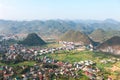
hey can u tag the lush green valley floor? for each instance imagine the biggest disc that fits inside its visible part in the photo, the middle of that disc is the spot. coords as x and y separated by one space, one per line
76 56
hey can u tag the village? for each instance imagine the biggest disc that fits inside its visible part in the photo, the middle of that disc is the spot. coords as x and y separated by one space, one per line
47 68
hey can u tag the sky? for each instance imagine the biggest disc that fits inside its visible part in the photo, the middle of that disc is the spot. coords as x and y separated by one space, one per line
59 9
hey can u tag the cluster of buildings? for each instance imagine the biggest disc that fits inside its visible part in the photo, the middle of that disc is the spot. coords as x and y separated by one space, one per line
6 72
8 36
44 69
49 69
111 60
111 49
18 53
89 69
76 45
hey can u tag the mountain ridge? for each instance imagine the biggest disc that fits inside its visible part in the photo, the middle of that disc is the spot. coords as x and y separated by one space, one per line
56 27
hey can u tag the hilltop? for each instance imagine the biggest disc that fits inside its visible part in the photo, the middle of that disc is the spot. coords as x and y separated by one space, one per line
75 36
112 45
101 35
98 35
32 40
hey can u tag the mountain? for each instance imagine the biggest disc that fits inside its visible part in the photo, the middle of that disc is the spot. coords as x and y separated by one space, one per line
111 21
101 35
46 28
56 27
112 45
98 35
32 40
75 36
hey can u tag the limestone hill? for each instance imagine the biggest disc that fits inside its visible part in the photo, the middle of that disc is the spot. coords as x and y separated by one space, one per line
101 35
112 45
32 40
75 36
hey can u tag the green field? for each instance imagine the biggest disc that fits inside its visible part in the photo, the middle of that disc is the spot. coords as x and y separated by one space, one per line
72 56
76 56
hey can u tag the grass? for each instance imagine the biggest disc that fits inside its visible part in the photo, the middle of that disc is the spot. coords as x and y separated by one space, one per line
2 64
76 56
117 64
48 45
28 63
72 56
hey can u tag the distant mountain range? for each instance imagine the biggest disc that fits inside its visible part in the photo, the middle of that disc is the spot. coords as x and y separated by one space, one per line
57 27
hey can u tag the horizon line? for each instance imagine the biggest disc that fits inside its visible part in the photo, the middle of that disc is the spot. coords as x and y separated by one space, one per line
59 19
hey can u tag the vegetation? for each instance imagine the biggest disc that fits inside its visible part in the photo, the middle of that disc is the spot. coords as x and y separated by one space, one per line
114 41
98 35
76 56
75 36
56 27
29 63
111 46
101 35
32 40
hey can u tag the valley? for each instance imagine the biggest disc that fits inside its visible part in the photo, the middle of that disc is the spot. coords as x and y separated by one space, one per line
66 54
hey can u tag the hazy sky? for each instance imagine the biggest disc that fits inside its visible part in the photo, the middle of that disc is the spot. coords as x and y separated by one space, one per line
59 9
